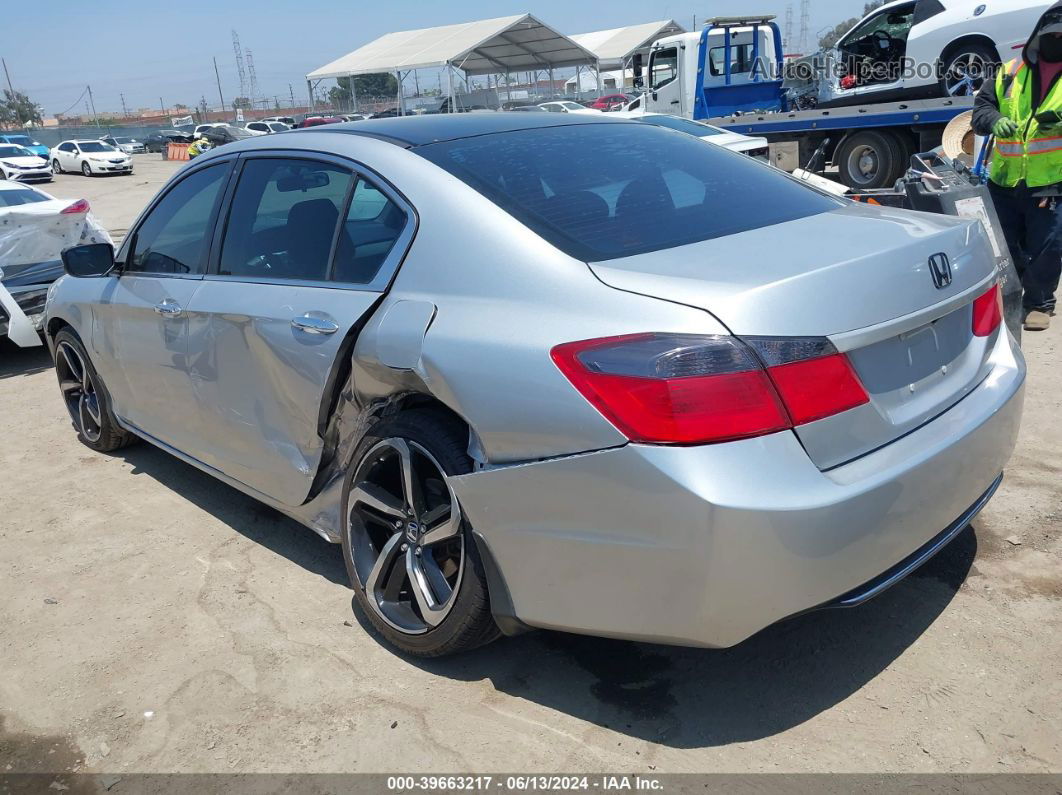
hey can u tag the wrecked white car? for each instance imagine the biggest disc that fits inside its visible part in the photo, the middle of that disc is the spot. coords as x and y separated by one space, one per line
916 49
35 227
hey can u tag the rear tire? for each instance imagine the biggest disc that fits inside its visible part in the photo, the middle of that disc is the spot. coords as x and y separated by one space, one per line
56 168
86 397
870 159
409 551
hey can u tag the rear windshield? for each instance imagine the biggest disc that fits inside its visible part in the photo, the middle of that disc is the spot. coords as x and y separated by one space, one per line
13 198
602 191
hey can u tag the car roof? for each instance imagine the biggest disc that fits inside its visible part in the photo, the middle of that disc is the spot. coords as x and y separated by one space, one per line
14 185
412 131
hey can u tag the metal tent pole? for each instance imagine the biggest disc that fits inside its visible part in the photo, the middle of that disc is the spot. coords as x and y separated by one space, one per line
597 70
450 86
551 81
398 77
309 91
353 94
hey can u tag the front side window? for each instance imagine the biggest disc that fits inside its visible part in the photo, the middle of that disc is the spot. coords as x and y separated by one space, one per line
885 25
672 190
663 67
173 239
283 219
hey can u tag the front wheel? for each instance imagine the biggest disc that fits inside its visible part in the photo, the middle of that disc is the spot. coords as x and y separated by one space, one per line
86 169
86 397
407 546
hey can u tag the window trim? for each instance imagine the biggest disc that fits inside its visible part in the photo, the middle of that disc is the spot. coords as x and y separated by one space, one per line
384 276
129 243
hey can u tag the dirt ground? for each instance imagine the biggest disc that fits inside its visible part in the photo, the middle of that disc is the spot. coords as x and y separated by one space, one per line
153 619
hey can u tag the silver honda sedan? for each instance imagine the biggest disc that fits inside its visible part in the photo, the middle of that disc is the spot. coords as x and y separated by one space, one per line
572 372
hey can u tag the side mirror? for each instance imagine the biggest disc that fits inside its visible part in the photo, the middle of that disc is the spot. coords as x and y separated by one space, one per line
91 259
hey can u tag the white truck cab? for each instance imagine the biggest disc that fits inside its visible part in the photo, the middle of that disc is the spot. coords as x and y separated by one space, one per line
674 78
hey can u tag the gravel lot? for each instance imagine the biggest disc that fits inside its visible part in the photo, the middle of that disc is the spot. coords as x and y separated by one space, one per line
153 619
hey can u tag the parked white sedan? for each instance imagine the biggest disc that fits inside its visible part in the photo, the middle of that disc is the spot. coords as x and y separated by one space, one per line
566 106
131 146
265 127
746 144
90 157
21 165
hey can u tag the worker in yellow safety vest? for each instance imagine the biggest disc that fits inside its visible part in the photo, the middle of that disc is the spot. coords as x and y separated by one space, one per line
197 147
1022 108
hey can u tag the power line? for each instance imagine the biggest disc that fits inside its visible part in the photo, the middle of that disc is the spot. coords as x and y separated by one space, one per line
74 104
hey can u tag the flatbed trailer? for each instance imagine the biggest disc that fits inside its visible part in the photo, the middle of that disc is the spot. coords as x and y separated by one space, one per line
731 74
871 145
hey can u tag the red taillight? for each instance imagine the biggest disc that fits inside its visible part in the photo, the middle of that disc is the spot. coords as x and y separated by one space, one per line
686 389
987 312
80 206
817 388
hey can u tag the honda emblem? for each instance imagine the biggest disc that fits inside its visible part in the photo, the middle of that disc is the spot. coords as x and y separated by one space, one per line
940 270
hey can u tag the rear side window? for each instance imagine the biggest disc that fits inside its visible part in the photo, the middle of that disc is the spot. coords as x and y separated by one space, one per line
602 191
283 219
13 198
740 59
371 228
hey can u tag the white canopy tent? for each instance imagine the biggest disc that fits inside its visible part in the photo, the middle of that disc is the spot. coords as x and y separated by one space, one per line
488 46
614 48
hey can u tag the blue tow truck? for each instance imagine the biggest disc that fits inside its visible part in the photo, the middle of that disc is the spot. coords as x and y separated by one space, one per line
732 74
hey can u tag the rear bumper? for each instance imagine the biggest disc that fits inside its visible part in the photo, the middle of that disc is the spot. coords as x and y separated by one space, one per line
707 545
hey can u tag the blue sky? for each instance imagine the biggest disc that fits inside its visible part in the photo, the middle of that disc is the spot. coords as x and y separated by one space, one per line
151 50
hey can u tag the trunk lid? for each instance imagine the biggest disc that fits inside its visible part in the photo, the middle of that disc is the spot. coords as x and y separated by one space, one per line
860 276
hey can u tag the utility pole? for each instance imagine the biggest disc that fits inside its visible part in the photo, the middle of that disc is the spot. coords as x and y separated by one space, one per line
92 102
291 91
218 78
125 110
8 76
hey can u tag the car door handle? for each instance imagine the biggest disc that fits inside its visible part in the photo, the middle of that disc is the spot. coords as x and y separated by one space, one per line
314 325
168 308
674 102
